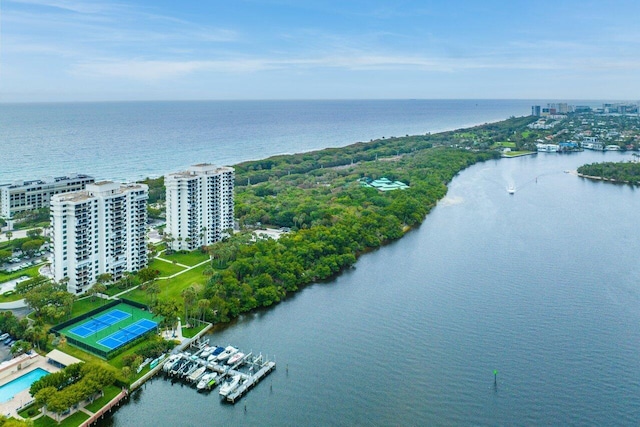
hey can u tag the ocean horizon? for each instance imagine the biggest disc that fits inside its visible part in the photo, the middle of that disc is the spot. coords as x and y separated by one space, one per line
131 140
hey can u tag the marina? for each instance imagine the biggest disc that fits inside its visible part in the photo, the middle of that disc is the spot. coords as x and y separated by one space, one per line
209 366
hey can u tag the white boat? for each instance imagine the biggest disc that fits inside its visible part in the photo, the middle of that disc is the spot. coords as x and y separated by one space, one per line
228 352
207 381
206 352
170 362
197 374
235 358
511 189
227 387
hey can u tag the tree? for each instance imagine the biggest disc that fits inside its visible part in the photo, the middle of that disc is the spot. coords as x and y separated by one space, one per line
203 306
190 296
97 288
9 235
30 247
169 310
20 347
5 256
153 289
34 233
146 274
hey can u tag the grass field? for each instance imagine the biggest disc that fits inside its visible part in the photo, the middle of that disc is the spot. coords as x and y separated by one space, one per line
83 305
166 269
31 272
186 258
110 392
72 421
106 324
172 288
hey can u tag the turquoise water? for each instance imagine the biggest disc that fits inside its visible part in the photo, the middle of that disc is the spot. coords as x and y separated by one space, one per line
10 389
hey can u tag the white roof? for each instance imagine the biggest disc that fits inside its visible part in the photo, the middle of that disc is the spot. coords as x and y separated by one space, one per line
62 358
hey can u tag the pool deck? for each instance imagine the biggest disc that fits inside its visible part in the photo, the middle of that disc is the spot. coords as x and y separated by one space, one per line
21 398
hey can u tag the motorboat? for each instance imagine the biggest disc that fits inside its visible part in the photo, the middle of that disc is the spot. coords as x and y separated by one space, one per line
217 351
228 386
170 362
235 358
207 381
228 352
197 374
177 366
511 189
206 352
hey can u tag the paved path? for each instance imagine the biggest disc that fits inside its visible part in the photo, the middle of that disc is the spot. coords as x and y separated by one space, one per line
13 305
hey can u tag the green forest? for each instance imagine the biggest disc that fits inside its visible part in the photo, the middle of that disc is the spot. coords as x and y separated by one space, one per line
332 217
628 172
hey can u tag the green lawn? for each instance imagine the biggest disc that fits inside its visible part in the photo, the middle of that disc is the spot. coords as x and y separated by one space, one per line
165 268
84 305
192 332
112 290
186 258
516 153
31 272
171 288
110 392
72 421
506 144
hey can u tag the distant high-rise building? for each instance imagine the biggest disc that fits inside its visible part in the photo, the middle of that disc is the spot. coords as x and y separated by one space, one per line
22 196
101 229
199 205
535 110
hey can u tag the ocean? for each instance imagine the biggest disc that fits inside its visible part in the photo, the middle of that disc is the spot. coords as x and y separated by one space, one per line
127 141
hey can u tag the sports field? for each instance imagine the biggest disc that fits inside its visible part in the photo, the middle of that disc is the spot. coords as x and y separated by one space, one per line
106 331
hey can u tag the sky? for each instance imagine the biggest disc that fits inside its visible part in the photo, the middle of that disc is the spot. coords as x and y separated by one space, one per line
107 50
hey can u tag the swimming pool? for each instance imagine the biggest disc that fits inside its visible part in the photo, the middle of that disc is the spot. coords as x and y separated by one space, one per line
10 389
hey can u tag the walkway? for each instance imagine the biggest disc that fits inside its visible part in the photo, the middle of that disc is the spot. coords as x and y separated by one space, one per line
187 268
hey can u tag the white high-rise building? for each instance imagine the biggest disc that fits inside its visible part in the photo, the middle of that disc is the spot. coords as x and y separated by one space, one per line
22 196
101 229
199 205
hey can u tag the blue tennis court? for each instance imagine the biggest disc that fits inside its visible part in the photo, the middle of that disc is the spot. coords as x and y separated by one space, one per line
128 333
99 323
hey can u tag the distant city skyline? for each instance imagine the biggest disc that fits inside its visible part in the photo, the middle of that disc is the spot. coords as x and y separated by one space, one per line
106 50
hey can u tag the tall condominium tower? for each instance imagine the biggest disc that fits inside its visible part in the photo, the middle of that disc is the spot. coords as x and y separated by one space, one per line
101 229
199 205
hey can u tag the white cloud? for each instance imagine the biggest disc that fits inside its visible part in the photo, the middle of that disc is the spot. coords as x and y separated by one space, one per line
88 7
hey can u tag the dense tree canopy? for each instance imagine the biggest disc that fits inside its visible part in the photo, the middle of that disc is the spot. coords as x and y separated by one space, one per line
616 171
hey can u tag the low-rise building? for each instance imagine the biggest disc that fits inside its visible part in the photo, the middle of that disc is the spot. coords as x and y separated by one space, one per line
22 196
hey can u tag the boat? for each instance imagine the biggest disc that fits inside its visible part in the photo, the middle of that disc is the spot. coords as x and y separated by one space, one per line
235 358
511 189
206 352
228 386
207 381
217 351
170 362
228 352
176 367
197 374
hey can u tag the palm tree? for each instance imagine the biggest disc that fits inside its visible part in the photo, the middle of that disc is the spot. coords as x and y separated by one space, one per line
203 305
153 289
189 295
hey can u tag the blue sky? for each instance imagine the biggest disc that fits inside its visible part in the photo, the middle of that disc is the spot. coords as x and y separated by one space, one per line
66 50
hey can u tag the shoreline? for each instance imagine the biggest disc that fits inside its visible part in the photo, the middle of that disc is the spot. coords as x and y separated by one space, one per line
601 178
129 179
